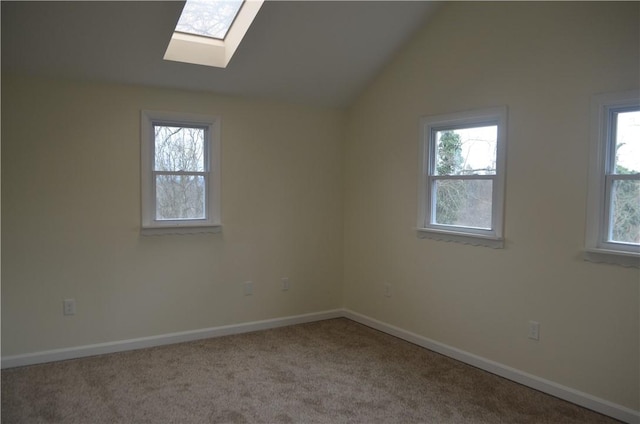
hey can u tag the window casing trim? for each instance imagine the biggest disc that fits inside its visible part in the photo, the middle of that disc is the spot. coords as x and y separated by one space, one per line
212 220
429 125
598 248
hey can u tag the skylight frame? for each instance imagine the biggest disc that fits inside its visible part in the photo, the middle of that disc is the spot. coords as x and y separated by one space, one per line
202 50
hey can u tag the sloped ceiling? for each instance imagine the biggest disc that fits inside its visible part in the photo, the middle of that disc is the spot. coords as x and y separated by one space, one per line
312 52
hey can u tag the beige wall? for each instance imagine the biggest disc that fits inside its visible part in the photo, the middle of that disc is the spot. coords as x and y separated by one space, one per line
544 61
71 217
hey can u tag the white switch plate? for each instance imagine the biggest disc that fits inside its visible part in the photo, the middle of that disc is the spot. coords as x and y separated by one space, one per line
534 330
248 288
285 283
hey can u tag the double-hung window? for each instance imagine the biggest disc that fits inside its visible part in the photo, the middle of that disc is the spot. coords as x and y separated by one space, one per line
613 209
180 178
462 177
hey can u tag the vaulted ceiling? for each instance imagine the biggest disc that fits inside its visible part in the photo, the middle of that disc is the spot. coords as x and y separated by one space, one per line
312 52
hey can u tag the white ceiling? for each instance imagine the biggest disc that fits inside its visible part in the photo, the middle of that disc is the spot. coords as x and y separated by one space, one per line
312 52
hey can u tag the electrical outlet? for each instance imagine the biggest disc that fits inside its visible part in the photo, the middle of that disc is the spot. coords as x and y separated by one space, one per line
285 283
534 330
387 290
69 307
248 288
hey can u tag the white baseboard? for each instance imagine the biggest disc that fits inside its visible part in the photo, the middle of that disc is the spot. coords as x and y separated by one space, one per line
580 398
586 400
164 339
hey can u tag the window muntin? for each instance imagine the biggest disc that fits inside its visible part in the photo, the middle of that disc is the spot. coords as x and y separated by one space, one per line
208 18
180 171
462 175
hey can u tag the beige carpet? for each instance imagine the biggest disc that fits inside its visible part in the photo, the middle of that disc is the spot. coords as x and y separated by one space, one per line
334 371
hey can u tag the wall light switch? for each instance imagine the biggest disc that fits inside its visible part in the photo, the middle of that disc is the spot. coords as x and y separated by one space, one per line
534 330
285 284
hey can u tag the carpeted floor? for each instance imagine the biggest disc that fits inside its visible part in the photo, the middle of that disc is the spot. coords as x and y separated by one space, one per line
334 371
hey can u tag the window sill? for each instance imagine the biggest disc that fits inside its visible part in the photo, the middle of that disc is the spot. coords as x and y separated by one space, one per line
464 238
181 230
627 259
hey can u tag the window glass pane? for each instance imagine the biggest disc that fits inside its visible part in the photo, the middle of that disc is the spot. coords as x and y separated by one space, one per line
209 18
625 211
467 151
628 142
463 203
180 197
179 148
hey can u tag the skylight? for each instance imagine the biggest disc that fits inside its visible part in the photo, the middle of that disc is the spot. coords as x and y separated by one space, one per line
209 31
208 18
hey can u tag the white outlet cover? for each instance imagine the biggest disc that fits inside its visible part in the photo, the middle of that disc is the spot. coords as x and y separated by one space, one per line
69 307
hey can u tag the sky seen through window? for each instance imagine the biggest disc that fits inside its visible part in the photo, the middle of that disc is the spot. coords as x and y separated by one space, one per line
208 18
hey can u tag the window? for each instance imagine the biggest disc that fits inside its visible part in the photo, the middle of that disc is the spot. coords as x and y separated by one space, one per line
210 31
209 18
462 178
180 173
613 209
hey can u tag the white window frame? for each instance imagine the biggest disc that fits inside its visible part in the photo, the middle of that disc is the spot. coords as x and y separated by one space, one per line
429 125
601 177
212 220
